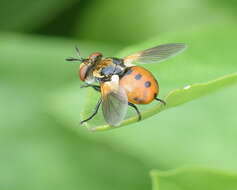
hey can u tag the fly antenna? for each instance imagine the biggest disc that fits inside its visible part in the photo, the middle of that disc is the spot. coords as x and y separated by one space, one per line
78 51
73 59
78 54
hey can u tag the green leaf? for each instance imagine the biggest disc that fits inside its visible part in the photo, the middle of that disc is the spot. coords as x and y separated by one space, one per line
194 179
178 97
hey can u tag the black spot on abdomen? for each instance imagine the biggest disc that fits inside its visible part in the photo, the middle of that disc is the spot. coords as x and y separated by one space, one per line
147 84
138 76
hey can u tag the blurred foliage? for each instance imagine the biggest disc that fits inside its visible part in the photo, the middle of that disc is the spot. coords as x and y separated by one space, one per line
126 22
30 15
194 178
40 96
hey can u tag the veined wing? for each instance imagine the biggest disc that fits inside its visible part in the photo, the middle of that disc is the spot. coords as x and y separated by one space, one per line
114 102
155 54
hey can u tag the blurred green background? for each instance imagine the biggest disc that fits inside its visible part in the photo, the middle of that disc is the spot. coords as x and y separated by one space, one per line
42 145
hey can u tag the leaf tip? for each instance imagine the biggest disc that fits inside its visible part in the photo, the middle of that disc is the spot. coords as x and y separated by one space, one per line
187 87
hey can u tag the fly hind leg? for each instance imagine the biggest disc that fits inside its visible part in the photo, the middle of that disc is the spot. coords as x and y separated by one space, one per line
94 113
162 101
137 110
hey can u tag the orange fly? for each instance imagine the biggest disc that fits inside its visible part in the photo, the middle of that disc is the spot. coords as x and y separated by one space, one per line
120 82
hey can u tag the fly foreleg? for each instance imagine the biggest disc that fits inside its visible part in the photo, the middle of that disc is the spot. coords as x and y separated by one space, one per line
96 87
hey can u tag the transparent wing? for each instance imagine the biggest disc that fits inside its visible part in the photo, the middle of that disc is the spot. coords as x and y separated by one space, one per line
155 54
114 103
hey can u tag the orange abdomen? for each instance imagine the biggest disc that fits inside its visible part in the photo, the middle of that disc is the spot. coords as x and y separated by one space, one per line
140 85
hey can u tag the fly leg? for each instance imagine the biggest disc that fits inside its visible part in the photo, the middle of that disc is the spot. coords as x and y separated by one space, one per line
162 101
94 113
96 87
137 110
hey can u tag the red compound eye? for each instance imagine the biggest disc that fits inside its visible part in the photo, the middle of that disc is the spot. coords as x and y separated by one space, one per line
83 71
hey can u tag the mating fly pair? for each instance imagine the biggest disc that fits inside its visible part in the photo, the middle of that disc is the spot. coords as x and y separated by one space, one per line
120 82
